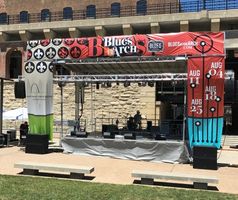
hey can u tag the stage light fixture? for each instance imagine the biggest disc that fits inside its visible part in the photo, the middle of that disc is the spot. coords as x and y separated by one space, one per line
151 83
85 84
126 84
109 84
103 85
143 84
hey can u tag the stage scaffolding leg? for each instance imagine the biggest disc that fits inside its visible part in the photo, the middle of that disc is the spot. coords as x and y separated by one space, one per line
79 100
184 110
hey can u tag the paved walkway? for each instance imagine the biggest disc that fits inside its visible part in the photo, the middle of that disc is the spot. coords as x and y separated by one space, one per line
109 170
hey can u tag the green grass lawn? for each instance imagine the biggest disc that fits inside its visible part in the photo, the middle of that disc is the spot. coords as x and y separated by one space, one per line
22 187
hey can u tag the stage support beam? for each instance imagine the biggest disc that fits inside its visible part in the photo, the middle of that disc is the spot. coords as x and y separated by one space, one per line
127 29
155 27
184 26
74 32
49 33
3 37
25 35
100 31
215 25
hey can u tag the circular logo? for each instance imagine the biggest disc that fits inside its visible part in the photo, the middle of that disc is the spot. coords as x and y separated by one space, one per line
68 41
33 43
63 52
75 52
51 66
50 53
45 42
29 67
192 85
212 109
56 41
218 99
38 54
204 43
197 123
208 76
41 67
83 42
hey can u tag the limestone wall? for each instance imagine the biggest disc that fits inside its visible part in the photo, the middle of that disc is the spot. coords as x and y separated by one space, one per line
117 102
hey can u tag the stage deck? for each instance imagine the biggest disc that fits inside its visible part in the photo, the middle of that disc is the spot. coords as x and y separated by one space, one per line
139 149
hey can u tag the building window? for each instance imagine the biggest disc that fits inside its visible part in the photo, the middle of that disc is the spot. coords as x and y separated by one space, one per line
3 18
68 13
141 7
115 9
24 17
91 11
45 15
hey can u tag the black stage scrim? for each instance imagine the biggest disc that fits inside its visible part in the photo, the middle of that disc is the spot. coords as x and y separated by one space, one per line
145 150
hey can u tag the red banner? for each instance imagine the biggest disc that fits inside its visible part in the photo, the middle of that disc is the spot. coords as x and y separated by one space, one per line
172 44
206 87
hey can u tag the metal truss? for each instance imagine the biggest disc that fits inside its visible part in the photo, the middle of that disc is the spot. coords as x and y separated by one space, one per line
127 77
121 78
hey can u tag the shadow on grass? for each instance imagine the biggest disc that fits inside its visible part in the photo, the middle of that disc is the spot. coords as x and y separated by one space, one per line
54 175
178 185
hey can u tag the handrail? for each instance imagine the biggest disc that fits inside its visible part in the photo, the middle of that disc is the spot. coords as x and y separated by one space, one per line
182 6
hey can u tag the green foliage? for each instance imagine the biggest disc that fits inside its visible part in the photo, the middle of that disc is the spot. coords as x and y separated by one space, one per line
22 187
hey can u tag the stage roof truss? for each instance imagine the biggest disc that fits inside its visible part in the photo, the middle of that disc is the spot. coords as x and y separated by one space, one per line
126 77
124 65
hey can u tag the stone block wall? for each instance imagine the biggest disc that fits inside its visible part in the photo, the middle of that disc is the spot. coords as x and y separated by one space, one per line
117 102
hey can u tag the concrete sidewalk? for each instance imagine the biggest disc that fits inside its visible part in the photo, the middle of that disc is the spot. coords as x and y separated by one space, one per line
109 170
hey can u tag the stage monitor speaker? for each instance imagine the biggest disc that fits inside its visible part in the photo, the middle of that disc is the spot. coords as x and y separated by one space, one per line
37 144
205 157
109 135
131 136
19 90
81 134
149 125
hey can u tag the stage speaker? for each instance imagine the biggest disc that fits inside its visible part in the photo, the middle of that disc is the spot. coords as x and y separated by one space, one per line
109 135
149 125
19 90
81 134
129 135
205 157
37 144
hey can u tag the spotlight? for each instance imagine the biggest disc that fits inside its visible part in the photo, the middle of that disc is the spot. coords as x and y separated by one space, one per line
85 84
104 85
109 84
126 84
151 84
143 84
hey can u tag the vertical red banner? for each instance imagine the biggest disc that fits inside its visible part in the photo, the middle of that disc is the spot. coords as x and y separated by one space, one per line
205 95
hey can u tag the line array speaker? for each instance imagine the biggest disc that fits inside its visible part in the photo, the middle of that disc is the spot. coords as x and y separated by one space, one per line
19 90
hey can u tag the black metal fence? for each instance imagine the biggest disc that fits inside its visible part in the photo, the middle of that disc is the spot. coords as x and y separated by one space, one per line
181 6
